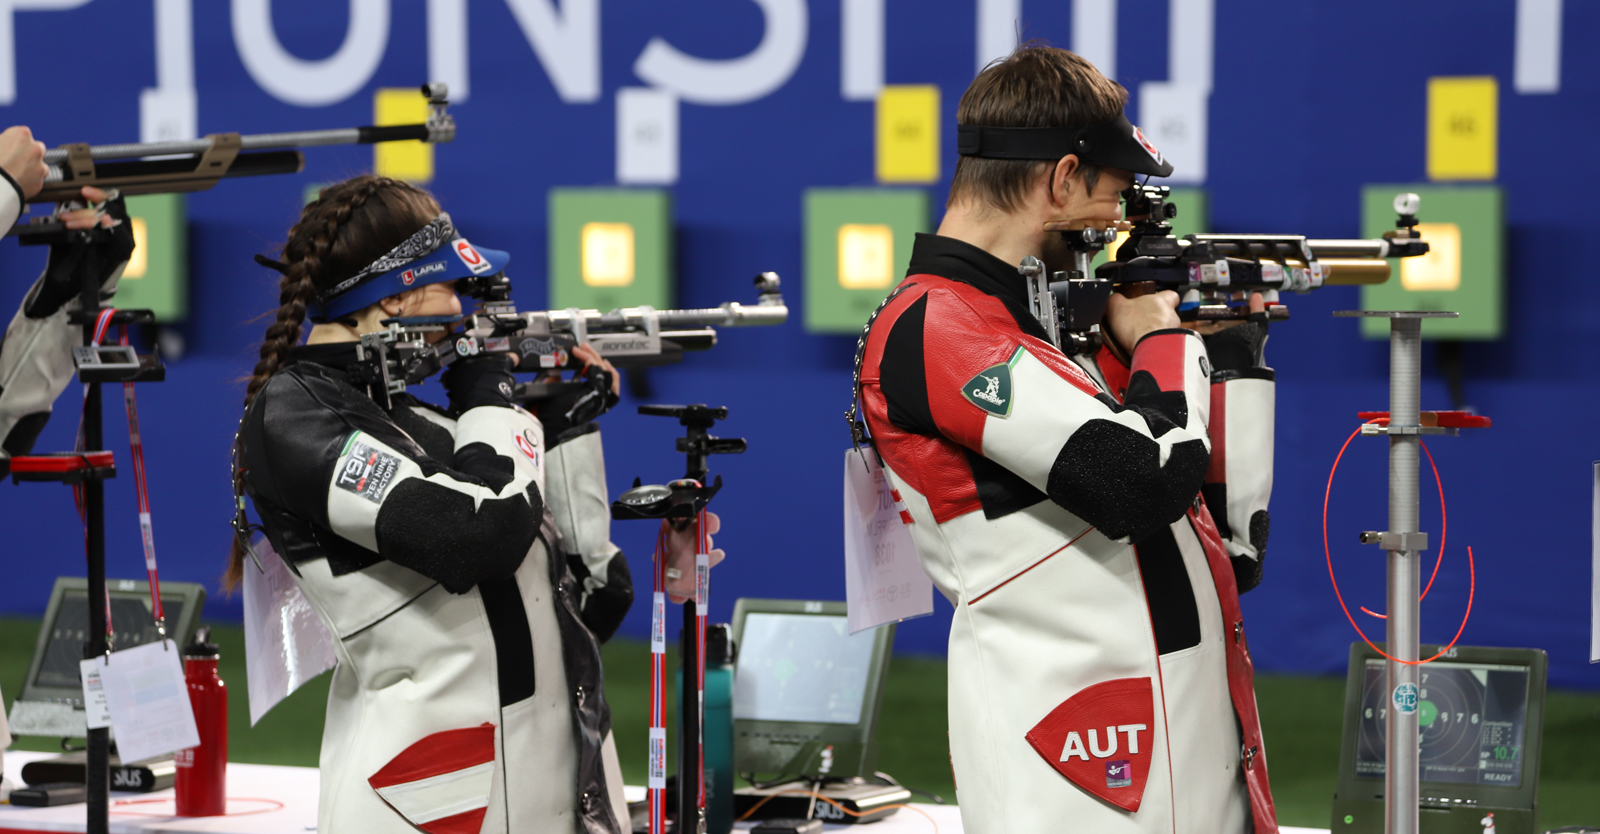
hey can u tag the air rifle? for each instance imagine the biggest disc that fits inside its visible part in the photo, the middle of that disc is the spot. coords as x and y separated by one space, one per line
1213 274
198 164
401 355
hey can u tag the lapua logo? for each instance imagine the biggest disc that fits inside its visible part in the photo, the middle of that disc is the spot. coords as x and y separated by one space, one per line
1101 739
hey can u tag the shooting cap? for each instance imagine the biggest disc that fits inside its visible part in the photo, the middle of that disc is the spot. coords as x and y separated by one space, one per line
435 254
1116 143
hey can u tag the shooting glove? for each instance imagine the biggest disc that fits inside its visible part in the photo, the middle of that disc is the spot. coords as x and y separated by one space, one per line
1240 347
577 404
99 252
473 381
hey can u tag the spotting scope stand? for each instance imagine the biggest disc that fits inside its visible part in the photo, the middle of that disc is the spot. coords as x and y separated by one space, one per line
88 470
679 503
1405 545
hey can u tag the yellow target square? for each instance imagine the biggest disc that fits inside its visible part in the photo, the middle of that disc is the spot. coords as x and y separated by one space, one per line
1463 128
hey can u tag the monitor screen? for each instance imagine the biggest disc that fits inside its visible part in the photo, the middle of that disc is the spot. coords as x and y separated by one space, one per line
801 667
131 625
1472 717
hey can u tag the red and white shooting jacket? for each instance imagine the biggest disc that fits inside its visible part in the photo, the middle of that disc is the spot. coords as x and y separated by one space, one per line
1099 675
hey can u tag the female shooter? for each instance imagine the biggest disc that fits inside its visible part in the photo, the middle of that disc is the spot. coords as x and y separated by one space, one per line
460 557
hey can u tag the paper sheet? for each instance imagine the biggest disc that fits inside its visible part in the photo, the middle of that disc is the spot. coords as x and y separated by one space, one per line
285 644
149 700
1594 605
884 580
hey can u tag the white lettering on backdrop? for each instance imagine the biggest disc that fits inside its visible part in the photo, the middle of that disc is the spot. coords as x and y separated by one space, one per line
738 80
8 40
447 46
860 49
567 43
169 111
294 80
997 29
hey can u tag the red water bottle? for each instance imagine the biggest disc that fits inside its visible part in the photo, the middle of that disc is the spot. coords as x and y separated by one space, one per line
202 780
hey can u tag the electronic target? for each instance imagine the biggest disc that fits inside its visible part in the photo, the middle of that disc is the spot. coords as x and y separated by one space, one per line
1471 717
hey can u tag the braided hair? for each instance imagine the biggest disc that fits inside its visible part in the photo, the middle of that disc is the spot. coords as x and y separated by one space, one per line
349 225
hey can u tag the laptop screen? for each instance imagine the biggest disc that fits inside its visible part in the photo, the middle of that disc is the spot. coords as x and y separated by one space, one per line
1472 717
131 625
801 667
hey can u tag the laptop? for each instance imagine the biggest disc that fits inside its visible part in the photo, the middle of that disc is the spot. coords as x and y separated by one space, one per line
51 700
806 692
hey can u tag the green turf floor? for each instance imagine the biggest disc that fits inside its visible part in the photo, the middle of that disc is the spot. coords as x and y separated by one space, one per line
1300 719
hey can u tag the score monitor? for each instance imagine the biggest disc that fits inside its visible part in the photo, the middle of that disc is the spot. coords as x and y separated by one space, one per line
1480 713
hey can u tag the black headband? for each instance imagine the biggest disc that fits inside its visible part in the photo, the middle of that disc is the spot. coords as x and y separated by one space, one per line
1116 143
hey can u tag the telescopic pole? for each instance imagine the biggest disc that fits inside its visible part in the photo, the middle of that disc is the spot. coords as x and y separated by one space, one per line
1405 545
1405 577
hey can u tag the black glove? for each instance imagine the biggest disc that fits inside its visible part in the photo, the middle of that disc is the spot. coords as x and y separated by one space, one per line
473 381
95 252
1240 347
587 397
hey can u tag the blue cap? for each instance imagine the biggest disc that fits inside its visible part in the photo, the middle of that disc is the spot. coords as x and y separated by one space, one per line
433 255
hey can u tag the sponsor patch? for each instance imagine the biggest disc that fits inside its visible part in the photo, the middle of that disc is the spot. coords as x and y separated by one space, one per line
408 277
469 256
366 471
526 445
1405 698
1101 739
1148 148
991 390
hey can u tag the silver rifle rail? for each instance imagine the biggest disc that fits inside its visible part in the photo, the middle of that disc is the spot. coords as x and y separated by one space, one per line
438 128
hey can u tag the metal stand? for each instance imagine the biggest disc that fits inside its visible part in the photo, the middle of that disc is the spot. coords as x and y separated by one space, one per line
91 478
1405 544
97 776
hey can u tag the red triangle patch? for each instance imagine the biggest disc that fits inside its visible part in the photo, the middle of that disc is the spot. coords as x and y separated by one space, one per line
1100 739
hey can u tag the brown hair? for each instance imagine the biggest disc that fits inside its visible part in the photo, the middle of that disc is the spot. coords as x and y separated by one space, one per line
349 225
1035 86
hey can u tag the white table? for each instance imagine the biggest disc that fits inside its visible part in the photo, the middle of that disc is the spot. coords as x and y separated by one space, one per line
267 799
262 799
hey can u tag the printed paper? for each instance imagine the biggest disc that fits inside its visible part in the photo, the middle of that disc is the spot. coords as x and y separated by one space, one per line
94 695
884 580
148 700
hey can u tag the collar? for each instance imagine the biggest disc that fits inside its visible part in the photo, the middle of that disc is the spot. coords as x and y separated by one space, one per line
336 355
960 261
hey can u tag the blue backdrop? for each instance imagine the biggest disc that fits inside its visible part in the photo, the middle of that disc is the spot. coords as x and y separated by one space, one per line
1310 101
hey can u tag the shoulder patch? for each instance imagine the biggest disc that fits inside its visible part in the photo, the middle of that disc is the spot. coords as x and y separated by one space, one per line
365 471
991 389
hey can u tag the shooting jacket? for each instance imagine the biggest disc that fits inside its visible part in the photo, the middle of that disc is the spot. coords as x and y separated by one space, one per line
468 694
35 354
1098 668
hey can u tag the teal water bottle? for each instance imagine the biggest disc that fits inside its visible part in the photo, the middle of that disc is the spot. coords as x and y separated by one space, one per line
717 731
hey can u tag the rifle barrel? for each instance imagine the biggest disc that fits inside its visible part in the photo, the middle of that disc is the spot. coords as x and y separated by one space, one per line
366 135
731 314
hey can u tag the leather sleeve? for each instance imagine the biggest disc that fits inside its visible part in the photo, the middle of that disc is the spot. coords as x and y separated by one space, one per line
959 366
1239 481
575 479
35 367
322 452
